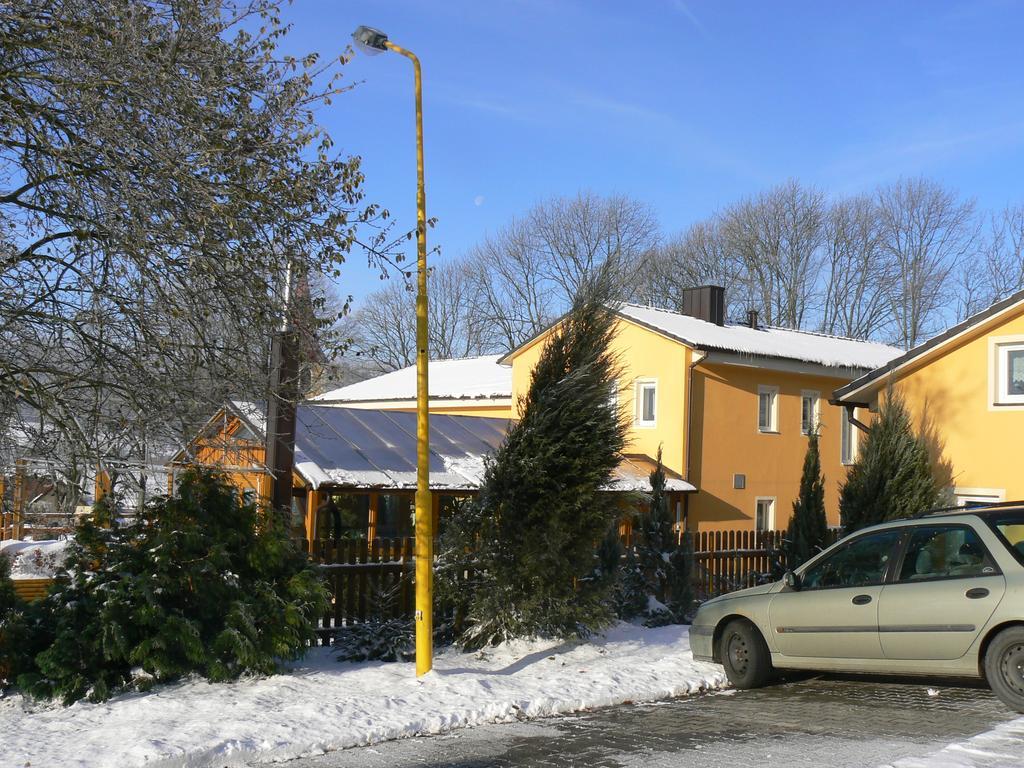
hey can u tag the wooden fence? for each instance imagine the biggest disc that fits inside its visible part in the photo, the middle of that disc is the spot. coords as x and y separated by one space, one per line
367 579
725 561
371 580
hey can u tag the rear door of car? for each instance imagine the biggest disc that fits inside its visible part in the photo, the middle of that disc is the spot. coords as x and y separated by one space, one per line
946 587
835 613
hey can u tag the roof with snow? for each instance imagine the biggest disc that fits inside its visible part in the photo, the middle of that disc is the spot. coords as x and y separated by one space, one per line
372 448
860 389
831 351
470 378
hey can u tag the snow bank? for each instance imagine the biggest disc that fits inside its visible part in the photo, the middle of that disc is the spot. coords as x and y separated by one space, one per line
325 705
1002 747
34 559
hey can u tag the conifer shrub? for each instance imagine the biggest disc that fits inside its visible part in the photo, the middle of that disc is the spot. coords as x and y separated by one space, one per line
893 476
384 636
808 528
654 584
529 540
18 638
200 583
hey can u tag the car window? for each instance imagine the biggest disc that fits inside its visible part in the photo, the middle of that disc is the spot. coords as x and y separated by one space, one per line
859 563
1009 527
945 552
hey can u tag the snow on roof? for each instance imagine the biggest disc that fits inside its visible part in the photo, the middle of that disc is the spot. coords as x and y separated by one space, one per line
831 351
461 379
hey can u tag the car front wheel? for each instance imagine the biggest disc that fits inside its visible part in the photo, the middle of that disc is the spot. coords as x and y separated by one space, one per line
744 655
1004 667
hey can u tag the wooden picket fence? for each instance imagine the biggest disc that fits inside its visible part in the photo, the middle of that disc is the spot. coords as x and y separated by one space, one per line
374 580
725 561
368 580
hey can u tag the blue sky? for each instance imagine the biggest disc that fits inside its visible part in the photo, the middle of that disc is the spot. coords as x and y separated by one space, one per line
687 106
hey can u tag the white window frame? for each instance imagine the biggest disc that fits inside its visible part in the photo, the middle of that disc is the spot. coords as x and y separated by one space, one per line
815 413
847 427
999 349
770 521
643 385
979 495
772 428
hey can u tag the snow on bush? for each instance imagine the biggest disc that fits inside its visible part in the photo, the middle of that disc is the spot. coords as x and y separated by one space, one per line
35 559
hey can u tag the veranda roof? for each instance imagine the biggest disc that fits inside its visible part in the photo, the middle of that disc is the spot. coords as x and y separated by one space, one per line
376 449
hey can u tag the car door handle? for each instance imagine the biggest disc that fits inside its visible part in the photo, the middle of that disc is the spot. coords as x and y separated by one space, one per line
862 599
977 592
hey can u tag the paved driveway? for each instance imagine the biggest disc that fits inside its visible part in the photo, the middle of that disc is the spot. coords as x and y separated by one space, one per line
819 721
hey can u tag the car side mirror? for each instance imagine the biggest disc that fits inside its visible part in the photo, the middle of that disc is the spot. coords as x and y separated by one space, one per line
792 581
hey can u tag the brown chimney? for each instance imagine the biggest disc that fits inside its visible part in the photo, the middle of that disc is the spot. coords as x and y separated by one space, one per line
705 303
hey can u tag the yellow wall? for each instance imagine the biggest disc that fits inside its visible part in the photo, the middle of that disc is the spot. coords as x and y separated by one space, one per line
644 354
949 392
726 441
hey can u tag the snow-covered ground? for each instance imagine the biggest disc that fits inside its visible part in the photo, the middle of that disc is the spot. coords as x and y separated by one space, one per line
325 705
1002 747
34 559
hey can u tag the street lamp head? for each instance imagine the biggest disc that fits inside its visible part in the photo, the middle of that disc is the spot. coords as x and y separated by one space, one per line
369 40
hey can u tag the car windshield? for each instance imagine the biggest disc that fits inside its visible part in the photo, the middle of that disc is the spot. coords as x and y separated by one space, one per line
1009 526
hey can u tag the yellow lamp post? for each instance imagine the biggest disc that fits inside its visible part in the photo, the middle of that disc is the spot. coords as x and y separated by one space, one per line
372 42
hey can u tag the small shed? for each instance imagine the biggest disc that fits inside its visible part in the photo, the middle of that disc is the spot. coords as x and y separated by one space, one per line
355 468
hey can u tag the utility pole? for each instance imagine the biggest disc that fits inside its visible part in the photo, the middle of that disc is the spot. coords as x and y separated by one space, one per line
284 394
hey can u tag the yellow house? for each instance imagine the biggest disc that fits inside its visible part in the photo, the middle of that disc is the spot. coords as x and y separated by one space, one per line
730 405
472 386
965 388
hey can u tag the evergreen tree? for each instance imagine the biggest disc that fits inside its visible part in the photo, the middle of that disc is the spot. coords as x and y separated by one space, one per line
892 478
531 535
808 527
649 578
680 580
18 641
199 583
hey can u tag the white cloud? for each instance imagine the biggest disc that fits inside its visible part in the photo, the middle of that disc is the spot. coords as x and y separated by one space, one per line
478 200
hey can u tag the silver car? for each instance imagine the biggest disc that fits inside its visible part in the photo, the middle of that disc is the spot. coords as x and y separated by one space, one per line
941 594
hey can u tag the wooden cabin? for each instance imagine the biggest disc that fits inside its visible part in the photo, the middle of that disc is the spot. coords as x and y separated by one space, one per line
355 468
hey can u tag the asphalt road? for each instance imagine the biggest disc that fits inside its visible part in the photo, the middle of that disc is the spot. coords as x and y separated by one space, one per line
816 721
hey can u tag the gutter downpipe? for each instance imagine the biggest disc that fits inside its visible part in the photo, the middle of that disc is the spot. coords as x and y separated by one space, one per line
689 425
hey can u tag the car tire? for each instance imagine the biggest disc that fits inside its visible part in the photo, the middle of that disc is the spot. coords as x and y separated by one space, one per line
1004 667
745 655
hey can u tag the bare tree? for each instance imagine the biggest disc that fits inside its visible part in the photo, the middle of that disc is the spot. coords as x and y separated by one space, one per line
571 238
856 271
457 327
696 257
925 232
512 294
160 169
997 271
774 240
527 273
383 331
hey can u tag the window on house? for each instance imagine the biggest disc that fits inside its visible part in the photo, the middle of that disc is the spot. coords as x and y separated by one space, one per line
1010 373
646 403
808 412
764 514
768 409
848 436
